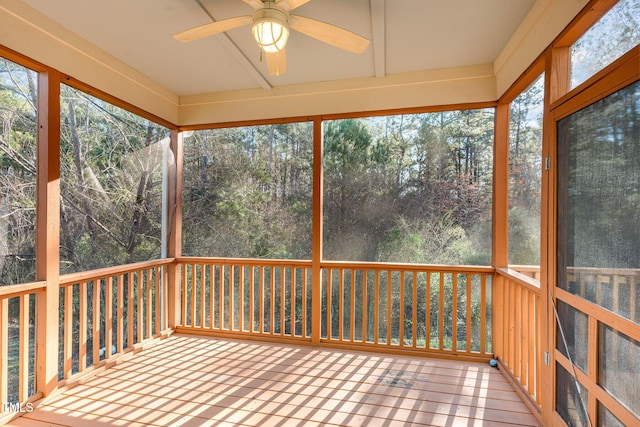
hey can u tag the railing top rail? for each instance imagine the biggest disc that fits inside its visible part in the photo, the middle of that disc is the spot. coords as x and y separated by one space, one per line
606 271
524 267
523 280
10 291
68 279
384 266
358 265
244 261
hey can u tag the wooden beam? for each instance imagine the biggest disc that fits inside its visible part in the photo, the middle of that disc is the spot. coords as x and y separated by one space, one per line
378 42
316 234
555 85
499 245
558 73
175 233
588 16
48 230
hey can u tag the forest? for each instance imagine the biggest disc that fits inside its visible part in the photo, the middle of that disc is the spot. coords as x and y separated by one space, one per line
405 188
409 188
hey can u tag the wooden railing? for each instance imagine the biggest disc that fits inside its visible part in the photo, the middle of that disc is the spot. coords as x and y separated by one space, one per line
532 271
399 307
108 312
17 342
598 313
246 297
103 314
615 289
444 311
414 308
518 342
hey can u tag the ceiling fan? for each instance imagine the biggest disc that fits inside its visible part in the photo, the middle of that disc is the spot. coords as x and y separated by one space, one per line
271 22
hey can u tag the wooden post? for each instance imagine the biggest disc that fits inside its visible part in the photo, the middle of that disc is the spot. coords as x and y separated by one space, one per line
48 230
500 224
557 83
175 234
316 236
499 244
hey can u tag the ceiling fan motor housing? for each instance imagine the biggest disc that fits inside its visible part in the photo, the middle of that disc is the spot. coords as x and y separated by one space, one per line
271 28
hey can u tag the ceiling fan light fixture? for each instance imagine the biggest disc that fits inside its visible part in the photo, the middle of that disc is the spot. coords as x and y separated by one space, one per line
271 29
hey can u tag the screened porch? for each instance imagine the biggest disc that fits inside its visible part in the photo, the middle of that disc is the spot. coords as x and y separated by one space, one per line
455 246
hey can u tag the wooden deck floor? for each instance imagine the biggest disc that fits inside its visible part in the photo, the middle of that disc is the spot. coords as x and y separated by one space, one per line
194 381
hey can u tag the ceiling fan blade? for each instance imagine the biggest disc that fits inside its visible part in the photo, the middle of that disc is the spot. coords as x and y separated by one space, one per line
256 4
328 33
291 4
213 28
277 62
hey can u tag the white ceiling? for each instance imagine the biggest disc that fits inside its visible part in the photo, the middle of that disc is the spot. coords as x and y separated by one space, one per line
407 36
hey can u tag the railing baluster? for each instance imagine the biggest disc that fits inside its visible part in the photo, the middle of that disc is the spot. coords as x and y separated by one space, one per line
441 313
365 305
212 286
483 314
535 369
511 314
120 314
96 321
454 312
389 306
184 295
427 315
401 309
615 293
283 287
352 307
518 332
524 336
292 305
469 315
140 310
130 310
305 278
231 296
194 288
149 300
4 348
341 304
108 316
531 343
158 301
221 296
68 329
414 310
376 311
261 300
272 302
329 273
82 337
203 278
241 298
633 282
252 297
23 350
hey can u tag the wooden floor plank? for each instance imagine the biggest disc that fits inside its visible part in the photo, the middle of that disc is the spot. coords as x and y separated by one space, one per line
188 380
